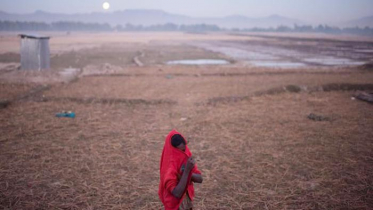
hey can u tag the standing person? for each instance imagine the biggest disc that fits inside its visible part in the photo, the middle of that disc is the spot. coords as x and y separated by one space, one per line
178 171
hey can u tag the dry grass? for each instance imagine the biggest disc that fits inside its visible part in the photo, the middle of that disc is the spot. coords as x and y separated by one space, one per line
97 160
194 86
10 91
258 152
269 155
61 42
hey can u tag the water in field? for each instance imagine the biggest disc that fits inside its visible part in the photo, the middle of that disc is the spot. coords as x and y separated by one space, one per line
198 62
364 50
287 57
277 64
332 61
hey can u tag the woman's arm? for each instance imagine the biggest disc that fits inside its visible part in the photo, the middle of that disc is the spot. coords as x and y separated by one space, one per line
179 190
197 178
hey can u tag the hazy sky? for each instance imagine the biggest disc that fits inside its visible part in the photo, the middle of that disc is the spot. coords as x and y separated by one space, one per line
313 11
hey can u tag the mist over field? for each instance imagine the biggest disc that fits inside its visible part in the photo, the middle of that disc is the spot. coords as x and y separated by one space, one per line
224 13
154 17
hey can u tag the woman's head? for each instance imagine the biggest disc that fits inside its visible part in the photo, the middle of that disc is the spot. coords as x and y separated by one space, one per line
178 142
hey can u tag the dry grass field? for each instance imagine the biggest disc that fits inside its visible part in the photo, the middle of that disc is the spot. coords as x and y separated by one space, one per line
247 127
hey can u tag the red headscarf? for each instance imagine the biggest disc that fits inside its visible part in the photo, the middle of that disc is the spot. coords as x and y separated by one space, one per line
170 167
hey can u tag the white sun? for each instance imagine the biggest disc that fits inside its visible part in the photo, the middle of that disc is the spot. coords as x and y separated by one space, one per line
106 5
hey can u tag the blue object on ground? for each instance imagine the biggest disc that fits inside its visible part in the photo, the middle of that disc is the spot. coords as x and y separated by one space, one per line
66 114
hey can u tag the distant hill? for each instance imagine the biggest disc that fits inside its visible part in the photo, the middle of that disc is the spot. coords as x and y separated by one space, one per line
152 17
362 22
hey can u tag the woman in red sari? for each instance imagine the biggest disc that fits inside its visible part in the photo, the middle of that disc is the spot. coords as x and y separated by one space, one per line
178 171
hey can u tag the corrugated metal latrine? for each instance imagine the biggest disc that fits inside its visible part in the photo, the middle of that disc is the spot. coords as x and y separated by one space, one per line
35 53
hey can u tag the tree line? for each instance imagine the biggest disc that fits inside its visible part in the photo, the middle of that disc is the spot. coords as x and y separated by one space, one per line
311 29
79 26
55 26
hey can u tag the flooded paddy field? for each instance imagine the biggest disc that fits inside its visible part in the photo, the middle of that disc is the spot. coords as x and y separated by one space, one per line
247 122
285 52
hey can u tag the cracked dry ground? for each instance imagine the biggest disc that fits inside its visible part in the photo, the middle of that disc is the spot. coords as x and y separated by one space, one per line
259 152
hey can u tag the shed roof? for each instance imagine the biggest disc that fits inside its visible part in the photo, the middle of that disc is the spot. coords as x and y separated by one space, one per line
33 36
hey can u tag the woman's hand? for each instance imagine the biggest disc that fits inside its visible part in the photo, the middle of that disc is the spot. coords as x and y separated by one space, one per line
190 164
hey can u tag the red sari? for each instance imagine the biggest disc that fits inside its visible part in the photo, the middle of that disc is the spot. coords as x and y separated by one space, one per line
170 169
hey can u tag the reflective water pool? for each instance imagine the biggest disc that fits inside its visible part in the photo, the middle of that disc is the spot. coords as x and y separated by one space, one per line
277 64
199 62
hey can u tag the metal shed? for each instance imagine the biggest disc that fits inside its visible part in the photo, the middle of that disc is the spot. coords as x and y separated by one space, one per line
35 53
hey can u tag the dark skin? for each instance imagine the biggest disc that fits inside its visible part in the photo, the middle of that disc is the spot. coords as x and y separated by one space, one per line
197 178
182 185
